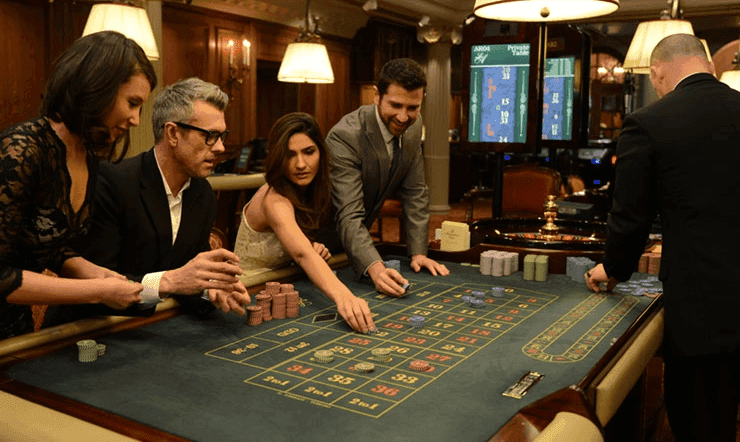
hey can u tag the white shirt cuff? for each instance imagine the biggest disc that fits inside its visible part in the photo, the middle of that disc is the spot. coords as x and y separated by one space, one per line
150 294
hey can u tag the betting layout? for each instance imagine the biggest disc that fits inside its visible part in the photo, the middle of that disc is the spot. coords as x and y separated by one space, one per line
420 338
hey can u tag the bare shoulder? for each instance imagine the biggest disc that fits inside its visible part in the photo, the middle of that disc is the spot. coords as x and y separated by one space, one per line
274 204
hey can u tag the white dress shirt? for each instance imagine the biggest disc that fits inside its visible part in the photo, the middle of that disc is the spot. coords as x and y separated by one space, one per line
151 281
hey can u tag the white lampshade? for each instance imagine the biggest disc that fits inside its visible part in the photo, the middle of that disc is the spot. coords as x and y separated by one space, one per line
306 63
543 10
647 36
130 21
731 78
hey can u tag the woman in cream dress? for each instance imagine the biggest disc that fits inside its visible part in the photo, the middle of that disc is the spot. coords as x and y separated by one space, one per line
289 209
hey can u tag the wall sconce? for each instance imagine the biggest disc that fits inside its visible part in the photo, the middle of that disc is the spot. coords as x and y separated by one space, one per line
234 69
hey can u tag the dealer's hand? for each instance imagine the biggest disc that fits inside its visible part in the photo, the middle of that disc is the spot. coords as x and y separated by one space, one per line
435 268
596 276
387 281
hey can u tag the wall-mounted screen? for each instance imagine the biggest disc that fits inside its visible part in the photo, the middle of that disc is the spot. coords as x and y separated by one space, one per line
499 82
557 108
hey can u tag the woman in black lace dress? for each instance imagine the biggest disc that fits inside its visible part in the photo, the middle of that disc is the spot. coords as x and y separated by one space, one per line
47 178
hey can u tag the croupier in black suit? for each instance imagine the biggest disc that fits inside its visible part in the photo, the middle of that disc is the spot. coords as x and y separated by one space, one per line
680 158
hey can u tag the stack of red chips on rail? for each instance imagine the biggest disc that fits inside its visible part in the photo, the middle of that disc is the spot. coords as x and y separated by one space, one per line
276 301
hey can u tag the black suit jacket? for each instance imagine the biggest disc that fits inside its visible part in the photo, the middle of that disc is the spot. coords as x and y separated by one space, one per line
132 231
680 158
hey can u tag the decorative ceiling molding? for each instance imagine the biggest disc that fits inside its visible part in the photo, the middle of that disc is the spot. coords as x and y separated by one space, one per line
344 17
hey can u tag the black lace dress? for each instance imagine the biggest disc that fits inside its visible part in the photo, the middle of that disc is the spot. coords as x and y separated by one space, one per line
37 221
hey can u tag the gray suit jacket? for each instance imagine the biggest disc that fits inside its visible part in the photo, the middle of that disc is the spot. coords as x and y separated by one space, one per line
361 182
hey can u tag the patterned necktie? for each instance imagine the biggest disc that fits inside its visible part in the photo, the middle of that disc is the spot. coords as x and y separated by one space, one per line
396 154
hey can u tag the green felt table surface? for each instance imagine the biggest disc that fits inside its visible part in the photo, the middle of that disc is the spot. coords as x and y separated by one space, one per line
217 379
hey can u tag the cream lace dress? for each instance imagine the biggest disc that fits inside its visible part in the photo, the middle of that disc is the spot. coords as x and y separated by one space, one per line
259 252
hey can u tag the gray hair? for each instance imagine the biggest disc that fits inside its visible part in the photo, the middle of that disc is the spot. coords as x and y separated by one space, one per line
175 102
678 45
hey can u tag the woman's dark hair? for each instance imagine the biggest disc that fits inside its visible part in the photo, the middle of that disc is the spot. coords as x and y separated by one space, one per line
84 84
313 205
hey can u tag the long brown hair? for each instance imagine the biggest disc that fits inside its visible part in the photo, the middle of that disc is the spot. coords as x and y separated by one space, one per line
84 84
313 205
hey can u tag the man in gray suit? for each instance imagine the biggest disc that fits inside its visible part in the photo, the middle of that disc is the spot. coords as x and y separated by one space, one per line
375 153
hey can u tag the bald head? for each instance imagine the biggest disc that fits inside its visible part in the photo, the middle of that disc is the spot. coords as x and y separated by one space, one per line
675 58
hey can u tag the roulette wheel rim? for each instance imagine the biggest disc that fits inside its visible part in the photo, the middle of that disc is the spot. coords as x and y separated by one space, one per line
573 234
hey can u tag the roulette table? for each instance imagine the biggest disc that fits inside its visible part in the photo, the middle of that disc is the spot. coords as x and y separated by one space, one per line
176 377
523 236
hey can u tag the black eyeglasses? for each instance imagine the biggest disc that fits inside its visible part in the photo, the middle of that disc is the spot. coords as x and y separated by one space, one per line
211 135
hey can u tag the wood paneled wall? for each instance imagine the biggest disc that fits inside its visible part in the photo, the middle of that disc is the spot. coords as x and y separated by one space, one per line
194 43
34 33
23 52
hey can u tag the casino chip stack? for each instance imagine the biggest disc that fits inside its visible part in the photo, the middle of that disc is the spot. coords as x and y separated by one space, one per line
292 303
254 315
642 267
577 266
382 354
418 365
279 305
416 321
486 261
498 263
541 268
364 367
649 286
497 292
87 350
477 303
654 263
264 301
323 356
394 264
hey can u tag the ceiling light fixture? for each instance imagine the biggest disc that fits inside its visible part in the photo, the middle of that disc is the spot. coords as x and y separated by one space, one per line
131 21
650 33
306 60
543 10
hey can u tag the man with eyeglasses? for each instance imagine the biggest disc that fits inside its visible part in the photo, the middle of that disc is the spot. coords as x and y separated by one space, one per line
154 212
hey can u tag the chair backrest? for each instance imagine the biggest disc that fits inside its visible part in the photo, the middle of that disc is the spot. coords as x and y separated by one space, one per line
526 187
